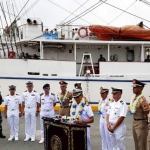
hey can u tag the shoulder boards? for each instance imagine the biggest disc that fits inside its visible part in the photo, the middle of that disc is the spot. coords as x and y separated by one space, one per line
111 100
17 94
34 91
53 94
121 102
25 91
7 95
86 102
41 94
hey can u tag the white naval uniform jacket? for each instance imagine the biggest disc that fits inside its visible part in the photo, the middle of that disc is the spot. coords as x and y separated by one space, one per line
12 102
47 102
30 99
116 110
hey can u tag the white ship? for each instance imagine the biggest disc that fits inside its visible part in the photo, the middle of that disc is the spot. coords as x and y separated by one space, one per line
72 58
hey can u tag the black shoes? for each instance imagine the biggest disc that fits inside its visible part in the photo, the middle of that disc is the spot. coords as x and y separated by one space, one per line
2 136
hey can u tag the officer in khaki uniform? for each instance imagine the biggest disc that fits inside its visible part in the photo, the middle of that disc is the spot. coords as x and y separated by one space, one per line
64 97
140 108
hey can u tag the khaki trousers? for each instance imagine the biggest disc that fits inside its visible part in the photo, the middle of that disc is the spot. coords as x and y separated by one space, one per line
140 132
148 139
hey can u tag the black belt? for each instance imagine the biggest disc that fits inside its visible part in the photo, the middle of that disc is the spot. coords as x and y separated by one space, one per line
139 119
64 106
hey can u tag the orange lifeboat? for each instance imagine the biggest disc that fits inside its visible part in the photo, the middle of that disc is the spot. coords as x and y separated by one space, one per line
129 32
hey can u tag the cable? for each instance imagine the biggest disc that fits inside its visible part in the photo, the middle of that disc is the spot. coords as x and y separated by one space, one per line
29 9
92 13
67 10
126 11
76 10
121 13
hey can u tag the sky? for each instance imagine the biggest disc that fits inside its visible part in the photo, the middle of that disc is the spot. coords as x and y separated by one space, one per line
54 12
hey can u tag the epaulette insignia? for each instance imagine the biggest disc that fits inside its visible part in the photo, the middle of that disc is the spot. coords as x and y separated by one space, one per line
111 100
17 94
7 95
121 102
53 94
86 102
25 91
41 94
34 91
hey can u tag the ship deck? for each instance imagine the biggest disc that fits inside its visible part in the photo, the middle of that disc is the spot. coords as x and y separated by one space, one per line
95 137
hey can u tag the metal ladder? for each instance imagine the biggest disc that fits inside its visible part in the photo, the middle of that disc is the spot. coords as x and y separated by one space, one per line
86 60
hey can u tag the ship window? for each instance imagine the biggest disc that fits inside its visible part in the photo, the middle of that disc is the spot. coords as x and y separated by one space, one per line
45 74
33 73
53 74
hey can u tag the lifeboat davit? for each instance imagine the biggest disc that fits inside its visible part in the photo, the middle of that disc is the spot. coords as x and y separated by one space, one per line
128 32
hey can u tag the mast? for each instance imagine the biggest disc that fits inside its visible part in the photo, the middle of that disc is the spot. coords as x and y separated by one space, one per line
11 26
2 8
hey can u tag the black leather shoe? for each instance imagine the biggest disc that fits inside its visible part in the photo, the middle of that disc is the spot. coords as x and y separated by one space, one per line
2 136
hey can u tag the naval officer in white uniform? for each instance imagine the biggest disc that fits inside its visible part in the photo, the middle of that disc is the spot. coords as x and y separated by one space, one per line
115 120
103 107
48 102
30 108
12 101
81 112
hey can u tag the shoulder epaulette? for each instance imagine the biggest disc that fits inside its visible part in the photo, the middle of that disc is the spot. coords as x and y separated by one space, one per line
121 102
41 94
17 94
53 94
25 91
7 95
34 91
111 100
86 102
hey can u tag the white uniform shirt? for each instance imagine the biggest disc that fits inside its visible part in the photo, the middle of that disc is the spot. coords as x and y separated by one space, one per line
87 112
104 107
12 102
30 99
47 102
117 109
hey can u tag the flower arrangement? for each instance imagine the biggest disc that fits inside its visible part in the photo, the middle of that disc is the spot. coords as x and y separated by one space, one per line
134 102
100 108
77 114
62 97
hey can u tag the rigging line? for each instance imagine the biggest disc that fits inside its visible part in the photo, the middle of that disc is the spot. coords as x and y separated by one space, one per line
126 11
87 12
29 8
92 13
2 8
18 31
13 1
66 10
2 44
121 13
13 33
4 35
76 10
67 22
21 9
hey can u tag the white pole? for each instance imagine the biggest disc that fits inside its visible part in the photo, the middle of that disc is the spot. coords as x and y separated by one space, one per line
142 53
108 52
75 51
41 50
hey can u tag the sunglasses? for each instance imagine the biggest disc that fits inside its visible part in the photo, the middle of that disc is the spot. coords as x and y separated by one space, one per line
76 97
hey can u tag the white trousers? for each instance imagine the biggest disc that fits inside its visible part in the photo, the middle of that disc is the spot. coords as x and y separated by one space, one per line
49 114
88 139
30 122
117 138
13 122
105 136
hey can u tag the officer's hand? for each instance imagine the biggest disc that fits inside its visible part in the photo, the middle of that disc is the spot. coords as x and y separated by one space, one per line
20 114
108 125
37 114
78 121
111 129
5 115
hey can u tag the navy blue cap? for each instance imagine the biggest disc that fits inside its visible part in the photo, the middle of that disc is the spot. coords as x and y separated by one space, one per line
46 86
29 83
12 87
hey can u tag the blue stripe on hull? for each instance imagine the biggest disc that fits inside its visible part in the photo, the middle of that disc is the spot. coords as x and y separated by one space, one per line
71 79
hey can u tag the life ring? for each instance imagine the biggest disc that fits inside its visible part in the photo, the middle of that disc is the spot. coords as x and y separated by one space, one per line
80 32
